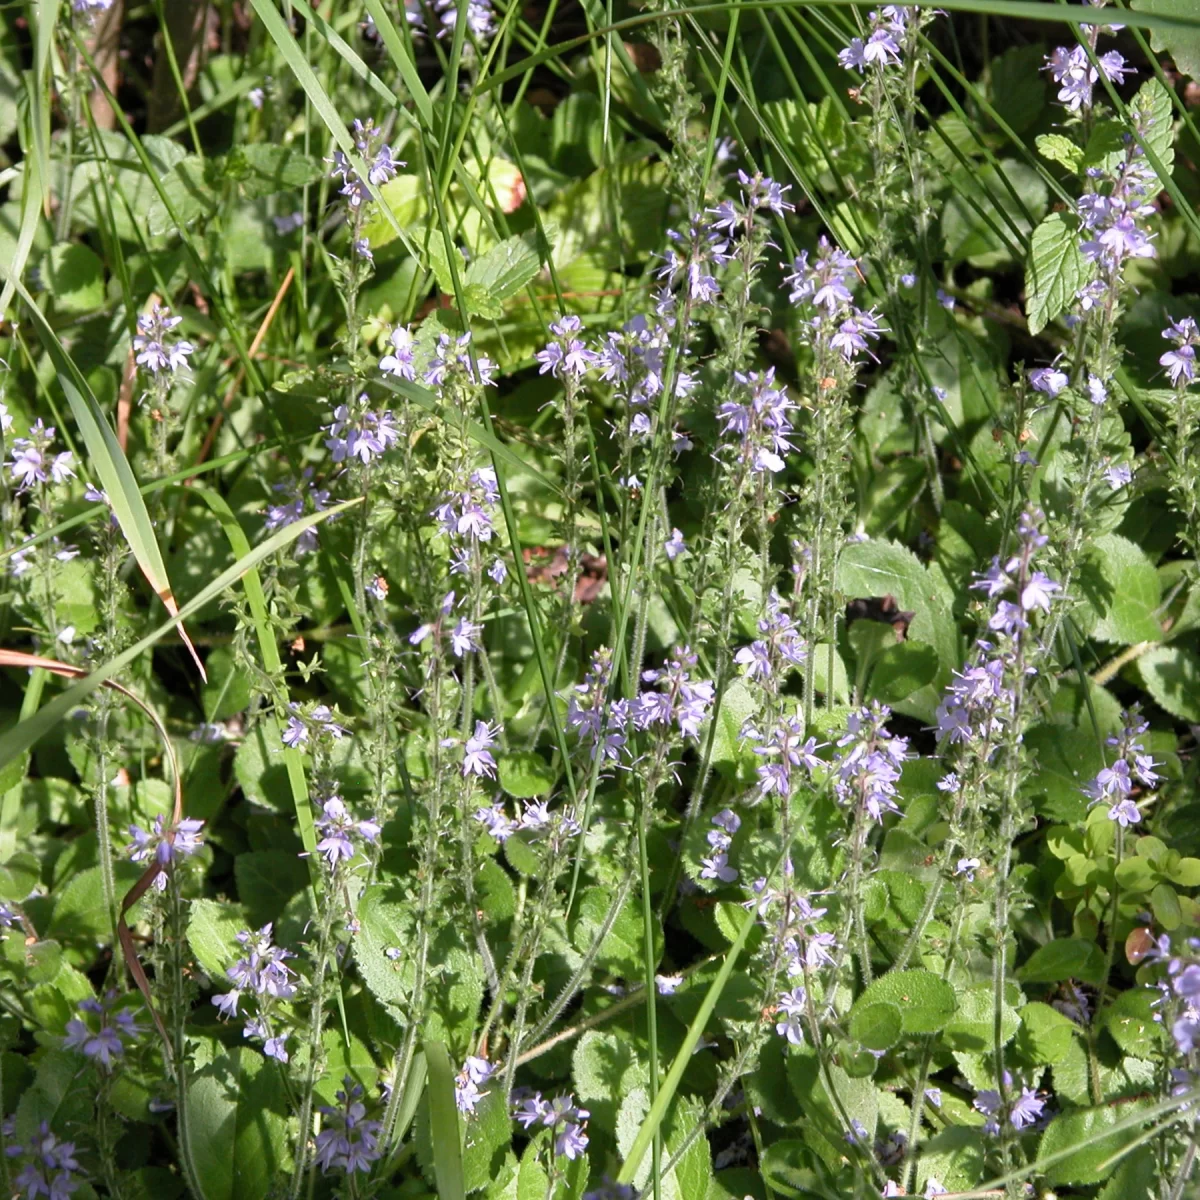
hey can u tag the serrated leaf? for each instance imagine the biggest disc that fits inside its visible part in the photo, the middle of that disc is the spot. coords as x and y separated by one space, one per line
1054 271
1089 1132
1061 959
877 1026
1183 45
236 1128
525 775
925 1000
901 671
1134 592
505 269
212 931
263 169
1171 674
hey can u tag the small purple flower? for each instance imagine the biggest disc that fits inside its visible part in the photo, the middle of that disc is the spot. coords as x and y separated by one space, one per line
180 842
792 1006
153 350
400 362
465 637
668 985
495 820
1038 592
101 1040
349 1141
477 759
1049 380
1119 476
675 545
339 829
474 1074
967 867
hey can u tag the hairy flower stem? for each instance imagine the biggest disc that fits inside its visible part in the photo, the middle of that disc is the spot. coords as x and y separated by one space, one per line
316 1031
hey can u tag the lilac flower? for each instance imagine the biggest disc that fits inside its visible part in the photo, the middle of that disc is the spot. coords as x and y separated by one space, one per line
717 867
299 497
276 1048
338 829
1038 592
101 1040
166 847
868 768
1181 362
32 463
561 1114
1026 1109
153 350
792 1006
400 362
377 156
361 435
674 545
1049 380
348 1142
495 820
318 722
1118 476
477 759
474 1074
465 637
568 356
967 867
49 1167
668 985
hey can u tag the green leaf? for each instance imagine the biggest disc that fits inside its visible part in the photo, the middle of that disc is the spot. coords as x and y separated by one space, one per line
212 931
878 569
973 1028
877 1026
925 1000
525 774
502 272
955 1157
187 192
621 951
1054 271
1058 148
444 1127
1089 1130
1134 592
732 755
984 222
1066 759
74 276
901 671
266 881
1183 45
227 691
1152 111
1063 958
236 1127
1171 674
263 168
1130 1020
1046 1034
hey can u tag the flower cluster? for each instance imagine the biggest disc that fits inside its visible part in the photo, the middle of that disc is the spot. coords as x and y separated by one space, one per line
265 975
1024 1108
566 356
377 155
759 430
295 499
48 1166
882 46
716 866
837 330
481 20
1114 785
303 724
599 725
786 746
348 1142
452 361
561 1114
759 193
679 700
701 249
467 515
361 434
780 647
33 461
166 846
163 356
340 831
477 752
1180 363
536 819
99 1032
464 636
474 1074
868 767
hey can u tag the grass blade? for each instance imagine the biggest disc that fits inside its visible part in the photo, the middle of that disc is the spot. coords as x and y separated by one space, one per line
666 1093
444 1129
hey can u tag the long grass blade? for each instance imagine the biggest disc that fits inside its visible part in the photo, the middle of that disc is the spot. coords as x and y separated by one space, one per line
444 1129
